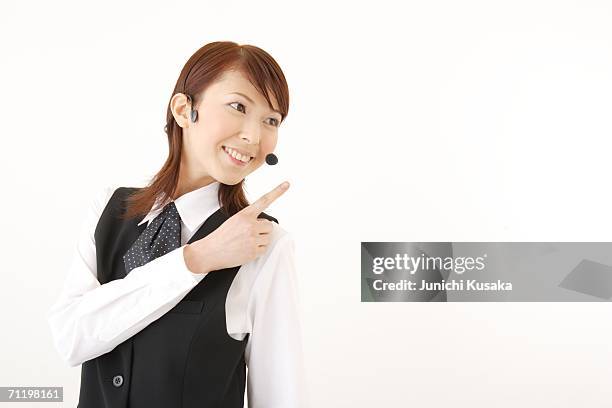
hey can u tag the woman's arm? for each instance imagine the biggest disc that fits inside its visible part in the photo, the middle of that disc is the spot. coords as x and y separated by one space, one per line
276 376
89 319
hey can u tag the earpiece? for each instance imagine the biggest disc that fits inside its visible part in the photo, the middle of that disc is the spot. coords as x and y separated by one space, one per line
194 113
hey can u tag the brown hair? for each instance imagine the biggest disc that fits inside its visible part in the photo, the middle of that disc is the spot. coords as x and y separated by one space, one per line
202 69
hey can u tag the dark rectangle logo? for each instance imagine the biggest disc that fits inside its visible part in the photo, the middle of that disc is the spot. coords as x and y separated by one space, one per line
486 271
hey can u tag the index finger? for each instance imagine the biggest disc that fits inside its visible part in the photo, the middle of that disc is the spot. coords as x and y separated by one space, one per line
265 200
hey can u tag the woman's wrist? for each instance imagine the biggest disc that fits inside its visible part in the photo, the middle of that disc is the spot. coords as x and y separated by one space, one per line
190 259
193 259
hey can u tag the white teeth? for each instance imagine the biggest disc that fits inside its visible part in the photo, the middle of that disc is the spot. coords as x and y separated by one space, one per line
236 155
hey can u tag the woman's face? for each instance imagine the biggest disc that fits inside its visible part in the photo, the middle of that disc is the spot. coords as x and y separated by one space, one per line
225 120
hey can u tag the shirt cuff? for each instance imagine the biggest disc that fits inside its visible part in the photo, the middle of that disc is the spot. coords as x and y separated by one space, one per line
185 270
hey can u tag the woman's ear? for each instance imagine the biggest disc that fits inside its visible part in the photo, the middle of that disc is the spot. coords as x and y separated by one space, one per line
180 106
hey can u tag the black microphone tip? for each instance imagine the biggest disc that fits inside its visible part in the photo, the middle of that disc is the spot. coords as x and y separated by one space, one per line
271 159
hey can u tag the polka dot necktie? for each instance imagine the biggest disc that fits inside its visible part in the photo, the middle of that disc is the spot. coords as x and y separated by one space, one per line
161 236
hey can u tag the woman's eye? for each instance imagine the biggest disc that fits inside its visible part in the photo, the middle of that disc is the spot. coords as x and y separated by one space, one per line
275 122
238 104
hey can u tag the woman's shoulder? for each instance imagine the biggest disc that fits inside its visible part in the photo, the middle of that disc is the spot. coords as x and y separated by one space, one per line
104 192
101 196
280 236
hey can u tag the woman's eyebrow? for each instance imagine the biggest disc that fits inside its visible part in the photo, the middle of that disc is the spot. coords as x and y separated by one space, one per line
252 101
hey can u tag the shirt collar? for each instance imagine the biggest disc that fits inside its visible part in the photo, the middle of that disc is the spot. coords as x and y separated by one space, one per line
194 207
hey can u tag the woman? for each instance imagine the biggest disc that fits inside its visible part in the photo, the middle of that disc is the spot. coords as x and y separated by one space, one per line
169 310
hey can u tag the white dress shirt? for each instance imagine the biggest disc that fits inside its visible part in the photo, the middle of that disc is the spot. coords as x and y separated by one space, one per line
89 319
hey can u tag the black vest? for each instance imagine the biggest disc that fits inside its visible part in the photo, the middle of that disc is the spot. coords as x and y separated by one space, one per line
184 359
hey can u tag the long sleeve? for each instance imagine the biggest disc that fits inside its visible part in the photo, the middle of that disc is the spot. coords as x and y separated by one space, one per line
89 319
274 353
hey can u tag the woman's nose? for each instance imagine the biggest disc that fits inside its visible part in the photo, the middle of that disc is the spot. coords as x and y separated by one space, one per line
251 134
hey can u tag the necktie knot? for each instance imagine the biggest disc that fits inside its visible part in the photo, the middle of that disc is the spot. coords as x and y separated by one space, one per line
170 209
162 235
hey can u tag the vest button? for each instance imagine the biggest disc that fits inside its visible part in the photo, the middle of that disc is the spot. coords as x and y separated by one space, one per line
117 380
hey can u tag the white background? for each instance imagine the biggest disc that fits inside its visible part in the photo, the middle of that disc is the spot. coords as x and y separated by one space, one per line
409 121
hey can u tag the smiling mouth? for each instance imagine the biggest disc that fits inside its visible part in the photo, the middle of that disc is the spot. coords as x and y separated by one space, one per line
233 156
